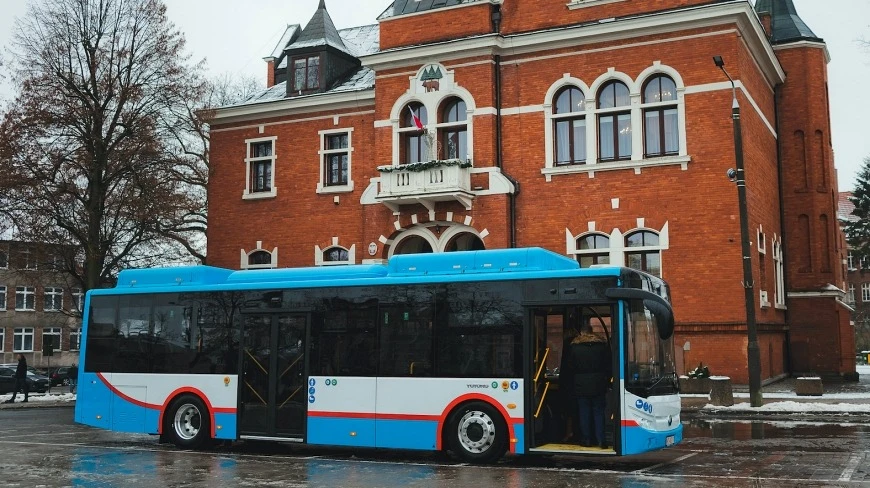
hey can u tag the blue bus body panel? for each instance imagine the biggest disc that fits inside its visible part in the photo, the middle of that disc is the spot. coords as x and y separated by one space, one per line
407 434
463 266
637 440
337 431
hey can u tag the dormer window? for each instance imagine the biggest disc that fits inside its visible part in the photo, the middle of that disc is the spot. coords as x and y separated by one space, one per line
306 73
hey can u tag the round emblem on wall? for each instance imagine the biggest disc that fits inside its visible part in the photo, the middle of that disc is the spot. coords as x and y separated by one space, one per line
373 249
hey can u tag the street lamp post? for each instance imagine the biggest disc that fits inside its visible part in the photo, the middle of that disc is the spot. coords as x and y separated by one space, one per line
753 354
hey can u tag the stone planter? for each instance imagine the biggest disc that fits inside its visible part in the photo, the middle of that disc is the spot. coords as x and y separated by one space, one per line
809 386
695 386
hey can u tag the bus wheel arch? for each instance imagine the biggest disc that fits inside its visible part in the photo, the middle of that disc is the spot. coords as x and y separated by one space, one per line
187 422
476 432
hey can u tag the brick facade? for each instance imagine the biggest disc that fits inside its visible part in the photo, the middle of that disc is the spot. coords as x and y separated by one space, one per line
685 199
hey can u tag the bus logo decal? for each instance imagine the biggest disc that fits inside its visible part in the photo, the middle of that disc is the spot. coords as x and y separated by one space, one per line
642 405
312 382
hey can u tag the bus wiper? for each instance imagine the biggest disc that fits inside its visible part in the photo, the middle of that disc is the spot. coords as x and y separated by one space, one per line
667 376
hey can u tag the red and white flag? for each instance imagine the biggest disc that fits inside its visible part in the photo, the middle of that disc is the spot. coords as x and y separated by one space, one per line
416 119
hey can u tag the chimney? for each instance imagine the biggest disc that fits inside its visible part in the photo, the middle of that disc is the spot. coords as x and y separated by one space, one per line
270 72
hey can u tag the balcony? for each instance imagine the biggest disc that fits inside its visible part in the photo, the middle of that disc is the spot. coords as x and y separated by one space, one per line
425 183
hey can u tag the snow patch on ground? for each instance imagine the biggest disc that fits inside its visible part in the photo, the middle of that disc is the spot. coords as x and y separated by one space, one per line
41 397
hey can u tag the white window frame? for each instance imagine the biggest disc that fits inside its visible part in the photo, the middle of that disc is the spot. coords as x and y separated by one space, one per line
2 339
4 258
3 298
638 160
318 254
576 4
761 241
850 262
78 299
618 249
779 274
245 258
850 296
52 294
584 252
23 333
865 292
77 333
324 153
248 194
431 100
25 291
54 332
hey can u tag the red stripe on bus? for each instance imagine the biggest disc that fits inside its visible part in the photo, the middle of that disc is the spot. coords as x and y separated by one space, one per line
630 423
372 416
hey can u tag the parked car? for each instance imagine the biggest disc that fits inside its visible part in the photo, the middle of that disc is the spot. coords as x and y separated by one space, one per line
59 376
36 383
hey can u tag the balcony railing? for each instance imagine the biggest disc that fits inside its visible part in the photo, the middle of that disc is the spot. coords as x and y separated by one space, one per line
425 183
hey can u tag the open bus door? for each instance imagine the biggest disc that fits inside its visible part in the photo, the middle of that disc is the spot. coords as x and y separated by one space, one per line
553 411
273 400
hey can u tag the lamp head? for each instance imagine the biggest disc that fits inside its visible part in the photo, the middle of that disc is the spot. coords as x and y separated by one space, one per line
720 63
731 174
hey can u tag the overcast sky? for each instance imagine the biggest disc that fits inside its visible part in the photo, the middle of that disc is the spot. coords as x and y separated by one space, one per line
234 36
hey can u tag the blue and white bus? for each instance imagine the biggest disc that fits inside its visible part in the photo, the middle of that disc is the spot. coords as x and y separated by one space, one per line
455 351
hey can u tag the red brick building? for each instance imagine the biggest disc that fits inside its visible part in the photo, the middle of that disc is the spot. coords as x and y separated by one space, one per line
599 129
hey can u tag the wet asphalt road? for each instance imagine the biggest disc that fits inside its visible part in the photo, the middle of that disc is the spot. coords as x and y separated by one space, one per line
44 447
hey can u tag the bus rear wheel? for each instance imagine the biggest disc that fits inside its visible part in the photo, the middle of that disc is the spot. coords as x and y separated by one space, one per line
477 433
187 422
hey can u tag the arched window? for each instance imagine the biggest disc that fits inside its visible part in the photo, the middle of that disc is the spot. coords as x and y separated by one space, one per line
614 122
660 118
593 249
336 255
569 126
643 252
413 245
465 242
453 130
260 259
411 134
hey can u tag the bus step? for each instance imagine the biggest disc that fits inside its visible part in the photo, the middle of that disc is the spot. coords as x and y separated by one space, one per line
571 448
297 440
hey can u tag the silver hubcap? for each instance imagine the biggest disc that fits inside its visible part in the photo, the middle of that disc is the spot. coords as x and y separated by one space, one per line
187 421
476 431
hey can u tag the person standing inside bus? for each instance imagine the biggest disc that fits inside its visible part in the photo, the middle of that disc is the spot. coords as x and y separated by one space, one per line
20 379
590 368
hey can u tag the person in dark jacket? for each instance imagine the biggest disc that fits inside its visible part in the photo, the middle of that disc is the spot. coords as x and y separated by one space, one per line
591 370
73 376
20 379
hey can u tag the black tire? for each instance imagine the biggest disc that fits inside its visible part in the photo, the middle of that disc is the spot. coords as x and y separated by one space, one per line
187 422
477 433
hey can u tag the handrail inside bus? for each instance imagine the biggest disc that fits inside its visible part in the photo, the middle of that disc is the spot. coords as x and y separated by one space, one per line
543 397
543 363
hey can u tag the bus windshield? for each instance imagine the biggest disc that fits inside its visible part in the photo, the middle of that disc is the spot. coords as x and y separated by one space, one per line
650 360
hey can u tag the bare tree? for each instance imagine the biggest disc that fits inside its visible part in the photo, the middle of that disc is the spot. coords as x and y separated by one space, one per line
189 134
86 140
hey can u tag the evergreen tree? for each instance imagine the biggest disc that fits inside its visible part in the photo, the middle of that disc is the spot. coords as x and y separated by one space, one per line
858 229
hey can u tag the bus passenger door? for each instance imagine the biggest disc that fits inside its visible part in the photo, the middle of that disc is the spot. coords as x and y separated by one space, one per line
273 400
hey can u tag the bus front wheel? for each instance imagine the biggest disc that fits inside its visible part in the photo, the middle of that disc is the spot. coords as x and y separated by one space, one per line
477 433
187 422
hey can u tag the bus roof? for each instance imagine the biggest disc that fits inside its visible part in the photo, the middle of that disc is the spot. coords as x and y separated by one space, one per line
452 266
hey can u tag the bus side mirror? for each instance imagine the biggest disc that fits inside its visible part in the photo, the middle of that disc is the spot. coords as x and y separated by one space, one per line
664 317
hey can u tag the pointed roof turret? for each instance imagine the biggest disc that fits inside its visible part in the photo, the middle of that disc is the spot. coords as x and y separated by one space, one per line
320 31
786 24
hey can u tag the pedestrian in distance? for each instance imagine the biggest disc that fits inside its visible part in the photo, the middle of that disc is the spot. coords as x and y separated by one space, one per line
73 376
591 370
20 380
